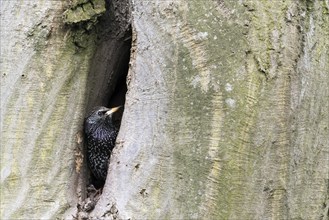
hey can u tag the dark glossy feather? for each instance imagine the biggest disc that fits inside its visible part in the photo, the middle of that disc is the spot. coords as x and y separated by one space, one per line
100 136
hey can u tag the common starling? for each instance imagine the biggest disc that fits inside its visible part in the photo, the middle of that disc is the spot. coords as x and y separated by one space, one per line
100 136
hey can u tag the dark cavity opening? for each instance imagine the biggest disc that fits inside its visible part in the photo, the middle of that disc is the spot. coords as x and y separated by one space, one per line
106 83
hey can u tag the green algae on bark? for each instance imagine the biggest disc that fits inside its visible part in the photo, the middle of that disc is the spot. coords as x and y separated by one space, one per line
84 11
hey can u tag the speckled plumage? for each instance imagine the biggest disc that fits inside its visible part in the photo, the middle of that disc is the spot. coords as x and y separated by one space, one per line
100 136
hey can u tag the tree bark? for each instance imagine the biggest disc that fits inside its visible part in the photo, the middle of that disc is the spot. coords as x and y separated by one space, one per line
226 114
44 71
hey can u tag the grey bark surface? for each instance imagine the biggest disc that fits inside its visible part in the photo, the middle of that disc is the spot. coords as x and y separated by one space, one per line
58 60
226 114
42 94
45 68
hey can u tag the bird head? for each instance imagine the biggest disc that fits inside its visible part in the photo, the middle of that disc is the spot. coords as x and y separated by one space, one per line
98 117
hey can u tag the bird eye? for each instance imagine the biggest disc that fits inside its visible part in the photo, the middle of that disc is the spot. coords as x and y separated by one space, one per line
100 113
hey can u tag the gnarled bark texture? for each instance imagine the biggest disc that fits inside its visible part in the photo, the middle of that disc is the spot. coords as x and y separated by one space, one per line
43 81
57 61
226 114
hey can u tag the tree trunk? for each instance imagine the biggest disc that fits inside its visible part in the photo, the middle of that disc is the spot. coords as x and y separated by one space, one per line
42 100
226 114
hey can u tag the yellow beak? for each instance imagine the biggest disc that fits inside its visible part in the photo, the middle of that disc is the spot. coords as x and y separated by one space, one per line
112 110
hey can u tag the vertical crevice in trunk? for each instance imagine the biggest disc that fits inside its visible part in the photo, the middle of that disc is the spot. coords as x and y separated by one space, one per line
110 64
106 82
